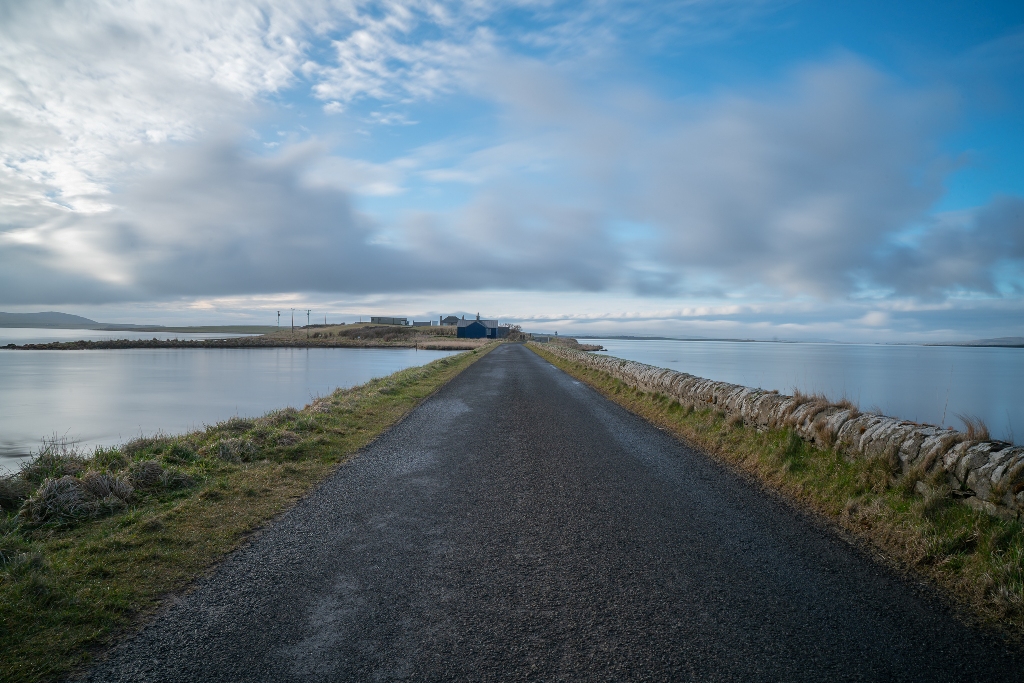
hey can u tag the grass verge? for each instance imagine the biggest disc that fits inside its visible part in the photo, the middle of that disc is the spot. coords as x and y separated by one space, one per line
90 545
914 525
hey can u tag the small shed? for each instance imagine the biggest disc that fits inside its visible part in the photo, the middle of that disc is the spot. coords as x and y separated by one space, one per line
380 320
450 320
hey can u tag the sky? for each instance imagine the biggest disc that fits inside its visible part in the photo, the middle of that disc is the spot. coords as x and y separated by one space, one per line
851 171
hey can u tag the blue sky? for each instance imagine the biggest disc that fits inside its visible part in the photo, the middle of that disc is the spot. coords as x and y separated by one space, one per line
799 170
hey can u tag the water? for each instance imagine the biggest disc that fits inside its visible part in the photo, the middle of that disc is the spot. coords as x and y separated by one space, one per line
34 335
107 397
928 384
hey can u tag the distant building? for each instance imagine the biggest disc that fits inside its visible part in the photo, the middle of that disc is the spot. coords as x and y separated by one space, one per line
424 323
480 329
376 320
450 320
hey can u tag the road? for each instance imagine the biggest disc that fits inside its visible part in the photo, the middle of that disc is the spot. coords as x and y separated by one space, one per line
518 525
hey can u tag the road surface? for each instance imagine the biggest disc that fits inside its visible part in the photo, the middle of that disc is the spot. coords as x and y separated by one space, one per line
519 525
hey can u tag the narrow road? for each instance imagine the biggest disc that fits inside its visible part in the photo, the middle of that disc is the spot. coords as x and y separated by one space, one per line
519 525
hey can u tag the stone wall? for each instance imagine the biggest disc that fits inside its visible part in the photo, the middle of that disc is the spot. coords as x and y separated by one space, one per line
988 475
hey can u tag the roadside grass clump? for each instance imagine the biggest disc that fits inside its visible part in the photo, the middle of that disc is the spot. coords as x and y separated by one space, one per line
90 544
57 458
975 427
62 501
913 521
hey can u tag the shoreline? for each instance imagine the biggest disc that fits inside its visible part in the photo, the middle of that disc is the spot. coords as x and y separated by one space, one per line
232 343
348 336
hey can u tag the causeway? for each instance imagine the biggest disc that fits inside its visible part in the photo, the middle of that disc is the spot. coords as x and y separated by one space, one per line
518 525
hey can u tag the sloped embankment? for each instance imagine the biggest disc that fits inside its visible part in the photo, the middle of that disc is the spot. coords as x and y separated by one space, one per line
91 545
984 473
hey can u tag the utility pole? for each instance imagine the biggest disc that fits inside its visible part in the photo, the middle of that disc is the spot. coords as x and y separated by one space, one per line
279 320
307 323
293 321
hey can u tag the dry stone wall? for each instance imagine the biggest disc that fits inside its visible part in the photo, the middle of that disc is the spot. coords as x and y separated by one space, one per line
988 475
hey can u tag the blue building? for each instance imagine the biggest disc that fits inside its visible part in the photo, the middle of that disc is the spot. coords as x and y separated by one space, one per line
480 329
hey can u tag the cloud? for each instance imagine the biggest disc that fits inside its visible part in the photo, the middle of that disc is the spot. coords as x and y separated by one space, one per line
81 80
797 191
978 251
791 190
217 220
127 171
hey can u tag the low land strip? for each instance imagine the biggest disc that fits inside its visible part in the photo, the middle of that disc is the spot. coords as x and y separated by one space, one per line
358 335
919 527
90 546
518 525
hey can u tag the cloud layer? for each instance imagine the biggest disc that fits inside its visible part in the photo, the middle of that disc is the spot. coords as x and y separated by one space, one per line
135 163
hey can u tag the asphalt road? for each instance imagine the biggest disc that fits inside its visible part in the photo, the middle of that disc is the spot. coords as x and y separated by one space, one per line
519 525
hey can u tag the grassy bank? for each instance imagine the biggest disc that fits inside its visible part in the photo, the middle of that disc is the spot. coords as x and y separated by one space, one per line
90 545
917 526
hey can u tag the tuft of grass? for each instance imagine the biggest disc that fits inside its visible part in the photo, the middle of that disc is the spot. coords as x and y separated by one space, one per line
975 427
913 520
89 545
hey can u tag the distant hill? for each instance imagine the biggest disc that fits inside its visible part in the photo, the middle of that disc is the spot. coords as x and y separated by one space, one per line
998 341
65 321
49 319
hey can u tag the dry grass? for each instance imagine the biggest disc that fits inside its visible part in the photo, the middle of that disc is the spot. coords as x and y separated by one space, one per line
912 523
441 338
975 428
89 546
359 335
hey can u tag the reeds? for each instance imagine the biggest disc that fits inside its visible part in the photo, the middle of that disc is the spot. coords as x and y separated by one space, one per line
975 427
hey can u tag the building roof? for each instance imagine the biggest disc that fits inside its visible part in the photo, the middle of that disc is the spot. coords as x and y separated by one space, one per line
485 323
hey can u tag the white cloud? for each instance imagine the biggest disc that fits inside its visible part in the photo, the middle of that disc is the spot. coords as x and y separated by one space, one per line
359 177
390 119
792 191
875 318
88 91
979 251
122 174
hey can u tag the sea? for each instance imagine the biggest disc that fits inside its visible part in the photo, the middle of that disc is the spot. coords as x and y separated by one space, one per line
928 384
106 397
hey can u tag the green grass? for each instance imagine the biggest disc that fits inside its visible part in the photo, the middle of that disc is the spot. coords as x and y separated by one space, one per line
77 577
917 526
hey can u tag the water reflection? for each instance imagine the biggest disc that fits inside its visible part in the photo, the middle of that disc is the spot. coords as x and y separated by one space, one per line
106 397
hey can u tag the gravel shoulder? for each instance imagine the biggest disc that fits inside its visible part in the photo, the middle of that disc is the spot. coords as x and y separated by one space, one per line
519 525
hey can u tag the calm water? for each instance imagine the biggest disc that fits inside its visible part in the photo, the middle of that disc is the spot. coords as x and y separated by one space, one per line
107 397
33 335
930 384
